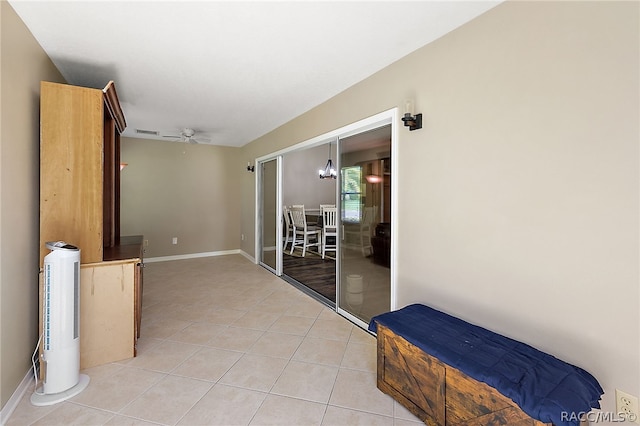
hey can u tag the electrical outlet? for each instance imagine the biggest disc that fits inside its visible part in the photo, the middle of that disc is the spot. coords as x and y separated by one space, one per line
627 405
242 237
174 240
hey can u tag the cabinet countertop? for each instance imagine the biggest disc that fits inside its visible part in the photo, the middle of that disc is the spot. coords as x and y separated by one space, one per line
130 247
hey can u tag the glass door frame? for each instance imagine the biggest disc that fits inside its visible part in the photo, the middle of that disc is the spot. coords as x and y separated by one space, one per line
259 213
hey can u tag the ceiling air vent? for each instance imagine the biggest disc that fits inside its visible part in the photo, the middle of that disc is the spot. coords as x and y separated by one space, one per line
147 132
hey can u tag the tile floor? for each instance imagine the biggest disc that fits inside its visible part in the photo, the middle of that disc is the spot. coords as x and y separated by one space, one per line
225 342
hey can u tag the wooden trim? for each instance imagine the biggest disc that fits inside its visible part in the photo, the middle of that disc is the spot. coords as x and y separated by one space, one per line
110 263
113 104
111 169
138 299
116 183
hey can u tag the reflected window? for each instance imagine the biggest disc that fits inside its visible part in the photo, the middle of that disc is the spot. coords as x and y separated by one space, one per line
351 194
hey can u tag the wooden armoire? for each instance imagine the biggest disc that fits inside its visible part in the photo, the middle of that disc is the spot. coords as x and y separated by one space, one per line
80 131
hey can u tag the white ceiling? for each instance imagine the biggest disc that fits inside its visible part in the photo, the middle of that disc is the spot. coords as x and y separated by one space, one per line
231 70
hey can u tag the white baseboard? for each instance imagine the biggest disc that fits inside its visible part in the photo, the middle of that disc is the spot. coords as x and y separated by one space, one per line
248 256
13 402
196 255
191 256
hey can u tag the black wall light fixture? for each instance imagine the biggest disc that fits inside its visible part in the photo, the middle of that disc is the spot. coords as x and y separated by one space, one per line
411 120
251 168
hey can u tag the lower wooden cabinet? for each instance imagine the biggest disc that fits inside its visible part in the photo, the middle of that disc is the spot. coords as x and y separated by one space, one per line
107 311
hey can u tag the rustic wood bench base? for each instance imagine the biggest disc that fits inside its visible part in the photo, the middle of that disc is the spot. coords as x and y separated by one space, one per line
438 394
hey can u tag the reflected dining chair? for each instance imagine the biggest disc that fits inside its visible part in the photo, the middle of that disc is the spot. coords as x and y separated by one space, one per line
288 227
362 231
329 230
304 235
323 206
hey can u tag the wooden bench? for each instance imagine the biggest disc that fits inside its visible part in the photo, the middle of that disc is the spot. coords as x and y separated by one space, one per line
449 372
438 394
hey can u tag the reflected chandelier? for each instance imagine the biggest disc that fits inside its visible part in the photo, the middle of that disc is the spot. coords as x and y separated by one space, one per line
329 172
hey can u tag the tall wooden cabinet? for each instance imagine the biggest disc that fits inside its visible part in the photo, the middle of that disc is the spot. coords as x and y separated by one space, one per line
79 203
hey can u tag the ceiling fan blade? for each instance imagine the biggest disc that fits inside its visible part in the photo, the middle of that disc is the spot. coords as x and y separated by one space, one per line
188 135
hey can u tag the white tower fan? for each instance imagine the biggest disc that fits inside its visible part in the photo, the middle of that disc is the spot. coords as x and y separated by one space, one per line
60 352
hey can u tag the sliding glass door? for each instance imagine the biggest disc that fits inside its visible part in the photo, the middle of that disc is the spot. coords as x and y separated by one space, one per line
365 214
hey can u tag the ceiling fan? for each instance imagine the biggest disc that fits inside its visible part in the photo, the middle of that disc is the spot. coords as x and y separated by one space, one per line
188 135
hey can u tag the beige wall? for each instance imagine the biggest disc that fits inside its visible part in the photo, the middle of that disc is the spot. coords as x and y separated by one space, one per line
181 190
518 200
300 181
22 65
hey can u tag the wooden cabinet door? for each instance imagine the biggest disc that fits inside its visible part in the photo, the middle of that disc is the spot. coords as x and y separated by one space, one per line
71 168
107 323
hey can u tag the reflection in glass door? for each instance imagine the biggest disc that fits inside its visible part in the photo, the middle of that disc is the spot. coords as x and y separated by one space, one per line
365 214
270 229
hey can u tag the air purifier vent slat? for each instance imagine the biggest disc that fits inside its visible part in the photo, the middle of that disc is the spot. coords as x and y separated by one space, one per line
46 309
76 298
